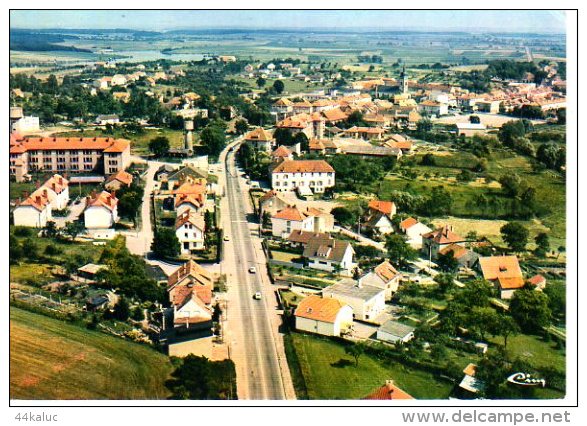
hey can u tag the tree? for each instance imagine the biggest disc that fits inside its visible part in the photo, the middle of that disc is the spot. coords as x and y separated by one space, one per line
198 378
530 310
543 243
355 119
302 139
122 310
283 136
556 293
165 243
511 184
50 229
241 126
261 82
159 146
561 116
474 119
483 320
506 327
445 281
344 216
15 251
213 138
424 125
30 249
400 252
137 314
465 176
515 236
73 229
439 202
447 262
355 350
278 86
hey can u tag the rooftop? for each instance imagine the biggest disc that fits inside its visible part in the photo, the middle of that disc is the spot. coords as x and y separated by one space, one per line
352 288
319 309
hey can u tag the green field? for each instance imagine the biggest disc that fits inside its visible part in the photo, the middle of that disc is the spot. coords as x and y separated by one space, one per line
50 359
326 377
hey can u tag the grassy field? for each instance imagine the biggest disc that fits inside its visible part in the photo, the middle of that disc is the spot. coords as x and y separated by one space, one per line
50 359
139 143
326 377
535 351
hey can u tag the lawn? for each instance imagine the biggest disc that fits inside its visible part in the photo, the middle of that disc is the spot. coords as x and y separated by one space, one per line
284 256
326 377
535 351
50 359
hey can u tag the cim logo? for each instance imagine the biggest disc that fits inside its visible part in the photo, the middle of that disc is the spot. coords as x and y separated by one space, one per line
525 380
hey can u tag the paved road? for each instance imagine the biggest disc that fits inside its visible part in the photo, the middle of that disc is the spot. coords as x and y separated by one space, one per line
256 346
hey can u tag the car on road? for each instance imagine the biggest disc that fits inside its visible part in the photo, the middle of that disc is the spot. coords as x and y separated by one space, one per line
253 270
257 296
226 238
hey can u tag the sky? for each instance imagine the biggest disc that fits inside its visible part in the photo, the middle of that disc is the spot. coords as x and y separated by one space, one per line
444 20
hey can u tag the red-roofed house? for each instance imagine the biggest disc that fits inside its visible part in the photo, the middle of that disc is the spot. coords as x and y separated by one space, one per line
434 241
118 180
504 272
414 231
316 175
384 276
537 281
290 219
389 391
325 316
101 211
189 229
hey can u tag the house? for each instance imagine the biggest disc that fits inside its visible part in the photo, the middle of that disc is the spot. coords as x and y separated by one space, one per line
436 108
97 303
189 229
118 80
367 133
318 175
90 271
471 129
434 241
58 189
187 174
384 276
379 215
299 238
395 332
371 151
104 119
192 313
101 210
328 254
118 180
537 281
190 278
260 139
367 301
34 211
323 221
282 153
504 273
325 316
489 106
26 124
413 229
466 258
271 202
388 391
470 383
190 196
163 172
323 146
289 219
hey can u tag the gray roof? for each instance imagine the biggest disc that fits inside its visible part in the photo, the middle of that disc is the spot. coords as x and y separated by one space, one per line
396 328
351 288
379 151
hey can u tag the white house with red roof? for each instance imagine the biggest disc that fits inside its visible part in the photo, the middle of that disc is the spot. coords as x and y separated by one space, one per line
317 175
290 219
36 210
379 215
413 229
101 210
189 230
325 316
384 276
434 241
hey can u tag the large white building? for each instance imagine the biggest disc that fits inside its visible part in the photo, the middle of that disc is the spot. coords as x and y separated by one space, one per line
316 175
101 211
27 124
367 301
325 316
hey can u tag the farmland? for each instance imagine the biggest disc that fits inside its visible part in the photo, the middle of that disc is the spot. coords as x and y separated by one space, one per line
50 359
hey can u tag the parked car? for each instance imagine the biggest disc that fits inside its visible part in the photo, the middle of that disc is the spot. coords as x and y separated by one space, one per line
253 270
257 296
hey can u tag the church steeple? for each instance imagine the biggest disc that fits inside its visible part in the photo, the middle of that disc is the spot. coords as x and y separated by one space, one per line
404 80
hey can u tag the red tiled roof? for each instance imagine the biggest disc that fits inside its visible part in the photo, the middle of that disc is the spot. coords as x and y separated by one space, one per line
503 269
443 235
103 199
304 166
65 143
281 152
319 309
290 213
259 134
389 391
386 271
385 207
407 223
189 217
121 176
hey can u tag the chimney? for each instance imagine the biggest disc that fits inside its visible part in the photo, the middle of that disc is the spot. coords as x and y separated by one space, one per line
38 199
54 187
389 384
38 184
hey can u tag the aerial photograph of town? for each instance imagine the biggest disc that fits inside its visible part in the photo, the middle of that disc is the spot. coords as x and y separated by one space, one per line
288 205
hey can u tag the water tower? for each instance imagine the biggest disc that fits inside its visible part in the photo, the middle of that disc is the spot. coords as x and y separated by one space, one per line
188 127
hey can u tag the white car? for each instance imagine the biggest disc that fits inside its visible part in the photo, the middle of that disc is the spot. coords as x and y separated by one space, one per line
257 296
253 270
226 238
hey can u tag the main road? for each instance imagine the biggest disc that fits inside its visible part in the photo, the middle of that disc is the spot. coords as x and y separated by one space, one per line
256 346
